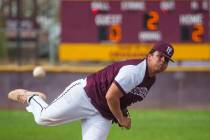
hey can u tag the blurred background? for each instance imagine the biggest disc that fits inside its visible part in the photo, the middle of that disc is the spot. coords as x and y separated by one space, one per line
71 39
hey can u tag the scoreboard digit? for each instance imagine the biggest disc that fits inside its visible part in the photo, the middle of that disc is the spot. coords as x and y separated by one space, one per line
152 20
115 33
197 33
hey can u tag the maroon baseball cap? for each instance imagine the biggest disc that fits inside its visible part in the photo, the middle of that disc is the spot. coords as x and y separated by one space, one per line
166 48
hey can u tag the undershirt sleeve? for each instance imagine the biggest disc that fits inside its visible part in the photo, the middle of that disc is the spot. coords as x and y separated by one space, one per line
129 77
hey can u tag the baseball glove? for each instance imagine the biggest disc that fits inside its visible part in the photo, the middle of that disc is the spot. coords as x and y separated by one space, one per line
125 113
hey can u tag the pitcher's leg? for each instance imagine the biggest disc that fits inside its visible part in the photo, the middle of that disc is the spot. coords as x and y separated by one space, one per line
71 105
36 106
95 128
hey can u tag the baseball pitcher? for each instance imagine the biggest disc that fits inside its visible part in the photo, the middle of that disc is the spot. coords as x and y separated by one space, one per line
102 97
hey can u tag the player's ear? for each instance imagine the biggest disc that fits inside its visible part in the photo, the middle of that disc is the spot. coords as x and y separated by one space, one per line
149 55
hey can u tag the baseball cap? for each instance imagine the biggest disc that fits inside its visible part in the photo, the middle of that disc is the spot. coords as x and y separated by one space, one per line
166 48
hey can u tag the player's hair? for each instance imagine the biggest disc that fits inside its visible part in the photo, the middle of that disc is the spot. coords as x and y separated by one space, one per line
151 51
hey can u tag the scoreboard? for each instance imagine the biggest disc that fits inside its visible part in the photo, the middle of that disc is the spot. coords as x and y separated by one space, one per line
124 29
135 21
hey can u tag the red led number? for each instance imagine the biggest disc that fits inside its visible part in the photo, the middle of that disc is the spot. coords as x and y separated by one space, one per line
152 22
197 33
115 33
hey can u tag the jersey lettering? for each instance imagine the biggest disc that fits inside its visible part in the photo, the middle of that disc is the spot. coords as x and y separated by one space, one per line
140 91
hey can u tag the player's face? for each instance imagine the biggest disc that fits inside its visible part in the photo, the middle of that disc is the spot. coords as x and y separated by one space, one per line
158 62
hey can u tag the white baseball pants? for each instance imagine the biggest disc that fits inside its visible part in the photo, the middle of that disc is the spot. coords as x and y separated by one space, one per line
72 104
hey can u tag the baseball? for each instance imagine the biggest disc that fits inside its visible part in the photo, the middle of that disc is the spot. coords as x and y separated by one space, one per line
39 72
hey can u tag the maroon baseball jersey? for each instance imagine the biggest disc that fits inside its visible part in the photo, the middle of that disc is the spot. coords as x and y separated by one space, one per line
131 77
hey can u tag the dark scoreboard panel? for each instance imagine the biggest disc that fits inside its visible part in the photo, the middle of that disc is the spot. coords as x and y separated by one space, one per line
135 21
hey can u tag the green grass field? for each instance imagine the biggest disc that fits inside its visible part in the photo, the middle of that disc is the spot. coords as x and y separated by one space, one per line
146 125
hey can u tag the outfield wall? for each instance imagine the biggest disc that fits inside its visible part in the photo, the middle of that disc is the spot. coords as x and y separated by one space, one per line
172 89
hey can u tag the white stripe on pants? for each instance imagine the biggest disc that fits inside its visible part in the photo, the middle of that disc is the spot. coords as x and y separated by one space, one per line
72 104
